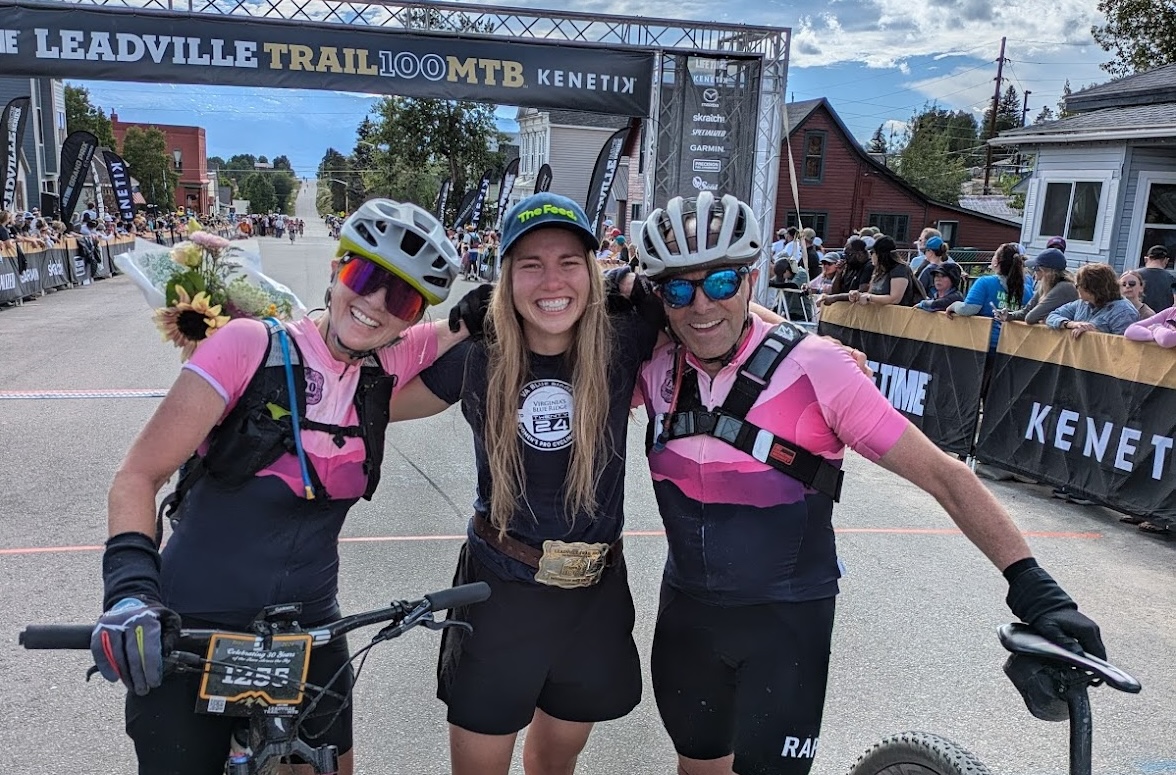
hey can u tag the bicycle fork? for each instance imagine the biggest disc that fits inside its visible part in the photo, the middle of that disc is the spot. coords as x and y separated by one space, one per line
281 743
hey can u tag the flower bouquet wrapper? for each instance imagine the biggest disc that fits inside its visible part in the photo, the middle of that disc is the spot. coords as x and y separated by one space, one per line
199 284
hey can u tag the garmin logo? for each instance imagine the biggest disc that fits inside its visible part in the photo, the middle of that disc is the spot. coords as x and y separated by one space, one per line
702 185
905 389
709 118
708 148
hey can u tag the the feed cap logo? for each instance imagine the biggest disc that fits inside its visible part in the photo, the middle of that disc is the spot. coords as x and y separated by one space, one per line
562 212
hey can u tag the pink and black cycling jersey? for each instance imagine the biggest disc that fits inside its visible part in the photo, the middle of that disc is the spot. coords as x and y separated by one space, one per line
739 531
229 359
236 549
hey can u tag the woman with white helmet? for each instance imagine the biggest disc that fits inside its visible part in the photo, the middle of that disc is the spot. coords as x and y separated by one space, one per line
256 524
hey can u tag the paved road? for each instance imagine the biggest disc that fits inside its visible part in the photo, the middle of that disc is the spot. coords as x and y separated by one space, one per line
914 646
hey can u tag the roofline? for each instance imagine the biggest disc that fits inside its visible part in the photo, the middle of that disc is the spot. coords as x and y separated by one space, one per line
887 172
1042 138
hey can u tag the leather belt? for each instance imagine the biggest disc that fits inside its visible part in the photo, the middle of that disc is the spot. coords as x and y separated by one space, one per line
525 553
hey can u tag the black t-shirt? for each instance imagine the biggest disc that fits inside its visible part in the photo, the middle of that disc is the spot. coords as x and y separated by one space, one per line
5 235
545 430
881 286
852 277
1157 287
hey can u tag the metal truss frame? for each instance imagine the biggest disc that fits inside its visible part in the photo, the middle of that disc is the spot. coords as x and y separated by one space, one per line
617 32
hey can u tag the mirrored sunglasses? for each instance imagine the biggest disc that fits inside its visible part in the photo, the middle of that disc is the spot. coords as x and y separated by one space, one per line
364 277
719 285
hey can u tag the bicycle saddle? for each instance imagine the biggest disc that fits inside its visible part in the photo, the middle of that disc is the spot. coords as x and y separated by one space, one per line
1022 639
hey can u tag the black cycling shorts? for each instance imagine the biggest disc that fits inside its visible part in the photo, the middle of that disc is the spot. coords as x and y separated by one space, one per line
747 679
568 652
172 739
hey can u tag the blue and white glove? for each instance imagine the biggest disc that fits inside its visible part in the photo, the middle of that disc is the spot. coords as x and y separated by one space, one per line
130 641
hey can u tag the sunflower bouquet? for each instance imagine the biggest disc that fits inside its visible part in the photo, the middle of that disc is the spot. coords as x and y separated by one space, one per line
201 284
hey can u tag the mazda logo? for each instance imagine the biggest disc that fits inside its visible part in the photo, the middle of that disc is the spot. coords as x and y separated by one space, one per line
710 95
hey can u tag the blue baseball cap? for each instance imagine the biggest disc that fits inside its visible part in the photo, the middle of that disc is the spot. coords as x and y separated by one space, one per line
543 210
933 243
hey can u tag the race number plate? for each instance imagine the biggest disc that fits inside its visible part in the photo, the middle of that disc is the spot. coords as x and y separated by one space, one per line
244 678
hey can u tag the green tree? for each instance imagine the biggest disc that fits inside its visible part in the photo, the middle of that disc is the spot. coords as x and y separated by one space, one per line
451 138
239 167
1008 114
146 153
283 184
259 190
934 158
81 114
878 142
282 163
1045 115
1063 112
1139 34
332 197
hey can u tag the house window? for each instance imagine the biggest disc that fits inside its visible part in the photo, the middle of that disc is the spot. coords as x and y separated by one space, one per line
950 231
1070 210
814 221
814 157
1159 223
894 226
635 212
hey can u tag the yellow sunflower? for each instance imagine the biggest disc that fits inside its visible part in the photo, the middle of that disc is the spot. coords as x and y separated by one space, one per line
190 321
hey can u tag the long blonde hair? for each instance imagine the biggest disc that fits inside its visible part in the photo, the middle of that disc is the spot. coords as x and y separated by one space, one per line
509 366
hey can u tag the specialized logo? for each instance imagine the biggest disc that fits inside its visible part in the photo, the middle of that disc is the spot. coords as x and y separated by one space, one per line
545 414
547 209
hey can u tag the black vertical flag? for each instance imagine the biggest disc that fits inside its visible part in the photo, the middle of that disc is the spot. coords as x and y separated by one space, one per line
12 124
504 188
474 216
465 208
603 175
543 179
120 181
442 198
76 154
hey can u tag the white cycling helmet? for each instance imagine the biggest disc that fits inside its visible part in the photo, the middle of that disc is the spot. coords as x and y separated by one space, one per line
698 233
407 241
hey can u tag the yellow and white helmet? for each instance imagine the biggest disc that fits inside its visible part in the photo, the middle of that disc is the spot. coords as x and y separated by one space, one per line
407 241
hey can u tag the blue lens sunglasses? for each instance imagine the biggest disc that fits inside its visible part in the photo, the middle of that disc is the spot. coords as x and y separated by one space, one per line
719 285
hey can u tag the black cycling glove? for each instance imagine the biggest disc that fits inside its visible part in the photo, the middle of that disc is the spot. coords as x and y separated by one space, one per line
642 299
1036 599
472 310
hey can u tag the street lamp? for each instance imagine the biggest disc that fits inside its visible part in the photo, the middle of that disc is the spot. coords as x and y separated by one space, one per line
346 192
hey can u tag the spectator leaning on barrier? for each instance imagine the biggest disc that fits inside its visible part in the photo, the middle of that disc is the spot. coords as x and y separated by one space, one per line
947 279
853 274
1053 286
1100 307
823 283
1131 288
1159 328
920 256
993 291
892 281
1159 284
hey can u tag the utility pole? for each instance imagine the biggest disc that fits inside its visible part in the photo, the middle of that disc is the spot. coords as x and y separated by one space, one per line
992 124
1025 108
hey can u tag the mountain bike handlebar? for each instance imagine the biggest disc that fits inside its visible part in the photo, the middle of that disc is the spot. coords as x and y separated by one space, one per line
405 614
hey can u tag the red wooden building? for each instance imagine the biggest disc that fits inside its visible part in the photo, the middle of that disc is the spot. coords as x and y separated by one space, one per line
842 188
188 155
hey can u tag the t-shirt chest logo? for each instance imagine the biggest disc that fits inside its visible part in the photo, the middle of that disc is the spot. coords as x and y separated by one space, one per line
545 414
314 386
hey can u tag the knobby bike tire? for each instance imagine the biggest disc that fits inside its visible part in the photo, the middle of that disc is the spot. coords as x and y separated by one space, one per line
917 753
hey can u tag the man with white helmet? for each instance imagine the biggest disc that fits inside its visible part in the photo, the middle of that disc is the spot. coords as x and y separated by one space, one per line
748 426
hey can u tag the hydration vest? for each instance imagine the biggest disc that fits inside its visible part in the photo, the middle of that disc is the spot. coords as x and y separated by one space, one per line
260 428
729 423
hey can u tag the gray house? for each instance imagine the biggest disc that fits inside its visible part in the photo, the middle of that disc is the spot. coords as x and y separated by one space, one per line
1105 178
44 133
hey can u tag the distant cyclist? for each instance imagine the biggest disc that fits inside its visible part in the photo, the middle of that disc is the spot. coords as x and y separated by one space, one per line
259 507
748 427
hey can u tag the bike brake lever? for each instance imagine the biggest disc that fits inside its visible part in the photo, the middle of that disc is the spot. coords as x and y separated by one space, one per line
433 624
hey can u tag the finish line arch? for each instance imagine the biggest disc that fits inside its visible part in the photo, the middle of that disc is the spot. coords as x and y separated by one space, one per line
711 95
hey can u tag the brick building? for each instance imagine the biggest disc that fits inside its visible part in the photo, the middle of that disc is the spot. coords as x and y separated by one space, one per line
189 157
842 188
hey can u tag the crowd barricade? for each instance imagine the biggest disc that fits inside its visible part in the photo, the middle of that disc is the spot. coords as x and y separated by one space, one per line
73 261
1096 414
929 368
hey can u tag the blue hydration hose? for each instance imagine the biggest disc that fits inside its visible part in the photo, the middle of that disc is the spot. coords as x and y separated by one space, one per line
284 338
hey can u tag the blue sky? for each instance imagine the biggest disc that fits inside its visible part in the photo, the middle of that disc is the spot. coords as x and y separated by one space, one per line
877 61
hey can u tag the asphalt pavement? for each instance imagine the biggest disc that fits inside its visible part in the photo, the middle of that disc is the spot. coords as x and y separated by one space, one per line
914 648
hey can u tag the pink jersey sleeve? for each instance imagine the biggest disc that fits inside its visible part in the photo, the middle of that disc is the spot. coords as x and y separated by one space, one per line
411 356
229 358
850 402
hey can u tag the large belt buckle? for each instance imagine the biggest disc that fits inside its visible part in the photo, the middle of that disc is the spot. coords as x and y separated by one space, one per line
571 565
